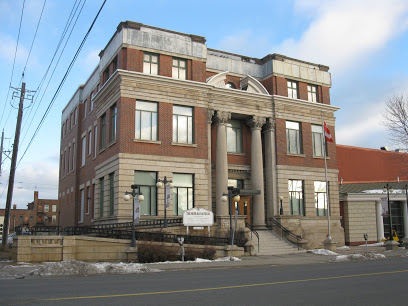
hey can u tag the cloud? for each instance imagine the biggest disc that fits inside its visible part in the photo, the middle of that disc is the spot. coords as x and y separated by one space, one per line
8 49
90 60
344 32
245 43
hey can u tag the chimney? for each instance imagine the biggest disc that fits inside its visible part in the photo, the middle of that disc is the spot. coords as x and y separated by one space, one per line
14 206
35 196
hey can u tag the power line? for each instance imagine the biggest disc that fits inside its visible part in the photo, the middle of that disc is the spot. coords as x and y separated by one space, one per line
14 61
67 25
62 82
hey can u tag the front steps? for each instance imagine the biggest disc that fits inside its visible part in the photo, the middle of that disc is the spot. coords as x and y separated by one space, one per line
271 243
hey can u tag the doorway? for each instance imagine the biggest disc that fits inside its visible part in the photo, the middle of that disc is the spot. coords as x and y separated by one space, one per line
244 208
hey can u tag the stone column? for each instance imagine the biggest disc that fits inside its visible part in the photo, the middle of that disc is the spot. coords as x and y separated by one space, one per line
405 216
221 164
257 177
210 114
270 170
380 221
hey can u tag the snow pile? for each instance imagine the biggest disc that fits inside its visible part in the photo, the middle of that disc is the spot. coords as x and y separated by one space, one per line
198 260
80 268
343 248
322 252
405 255
374 244
353 257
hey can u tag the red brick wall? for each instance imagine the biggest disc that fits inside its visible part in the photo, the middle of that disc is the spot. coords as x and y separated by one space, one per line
361 165
281 85
165 65
165 135
268 84
198 72
302 91
307 160
325 96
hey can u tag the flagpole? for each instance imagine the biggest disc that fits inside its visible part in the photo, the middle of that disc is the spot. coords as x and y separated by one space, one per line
327 182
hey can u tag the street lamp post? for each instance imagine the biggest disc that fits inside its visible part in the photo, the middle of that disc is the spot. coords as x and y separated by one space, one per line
232 194
165 182
281 208
388 189
140 197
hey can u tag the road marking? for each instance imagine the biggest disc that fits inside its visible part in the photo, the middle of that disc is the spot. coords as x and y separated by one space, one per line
225 287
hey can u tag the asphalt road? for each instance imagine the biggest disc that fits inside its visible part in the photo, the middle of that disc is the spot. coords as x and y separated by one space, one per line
376 282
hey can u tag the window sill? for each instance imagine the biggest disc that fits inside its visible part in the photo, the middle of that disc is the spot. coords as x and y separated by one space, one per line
320 157
147 141
236 154
111 144
180 144
295 155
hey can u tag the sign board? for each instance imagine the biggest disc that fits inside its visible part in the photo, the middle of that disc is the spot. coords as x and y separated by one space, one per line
136 207
198 217
167 196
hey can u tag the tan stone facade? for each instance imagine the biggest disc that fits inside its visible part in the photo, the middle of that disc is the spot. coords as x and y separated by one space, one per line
237 133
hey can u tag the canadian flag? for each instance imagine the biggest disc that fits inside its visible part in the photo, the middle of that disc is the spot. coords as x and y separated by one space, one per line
327 134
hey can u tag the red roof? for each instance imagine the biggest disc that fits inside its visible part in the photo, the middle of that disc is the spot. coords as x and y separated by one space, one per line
362 165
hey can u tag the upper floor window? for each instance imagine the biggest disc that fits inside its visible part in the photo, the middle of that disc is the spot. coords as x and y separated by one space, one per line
146 120
83 151
85 108
296 197
113 122
106 74
182 124
320 198
179 69
293 89
312 93
183 193
54 208
115 64
46 208
103 130
150 63
317 139
90 142
293 137
234 136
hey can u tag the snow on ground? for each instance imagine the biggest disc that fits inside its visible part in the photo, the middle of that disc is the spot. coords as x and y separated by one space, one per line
405 255
343 248
352 257
80 268
374 244
322 252
199 260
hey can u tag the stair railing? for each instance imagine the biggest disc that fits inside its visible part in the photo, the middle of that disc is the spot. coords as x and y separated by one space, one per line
253 231
275 224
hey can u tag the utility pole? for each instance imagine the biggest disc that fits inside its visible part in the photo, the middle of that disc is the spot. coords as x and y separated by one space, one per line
13 166
1 149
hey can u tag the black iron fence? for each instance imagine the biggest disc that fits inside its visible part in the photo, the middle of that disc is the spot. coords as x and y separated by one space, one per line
280 229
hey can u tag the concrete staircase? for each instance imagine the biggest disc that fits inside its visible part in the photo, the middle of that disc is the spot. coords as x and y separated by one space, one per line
270 243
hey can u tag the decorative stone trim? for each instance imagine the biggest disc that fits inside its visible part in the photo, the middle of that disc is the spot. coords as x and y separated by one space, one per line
221 117
256 122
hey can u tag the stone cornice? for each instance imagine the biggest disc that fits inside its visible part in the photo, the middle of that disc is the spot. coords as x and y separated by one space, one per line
304 104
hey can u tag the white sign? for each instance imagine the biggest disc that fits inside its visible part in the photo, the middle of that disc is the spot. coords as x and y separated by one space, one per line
136 206
198 217
167 196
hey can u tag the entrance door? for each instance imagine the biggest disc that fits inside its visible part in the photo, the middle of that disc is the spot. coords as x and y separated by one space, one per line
244 208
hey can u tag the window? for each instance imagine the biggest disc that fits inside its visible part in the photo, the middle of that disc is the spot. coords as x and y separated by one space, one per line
111 194
293 89
101 196
230 85
21 219
182 124
81 217
320 198
31 219
317 137
90 142
183 193
115 64
103 130
93 199
83 151
76 115
96 140
312 93
150 63
54 218
46 208
236 183
147 185
45 219
88 198
113 112
73 156
296 197
234 136
293 137
106 74
54 208
146 120
69 159
92 102
179 70
85 108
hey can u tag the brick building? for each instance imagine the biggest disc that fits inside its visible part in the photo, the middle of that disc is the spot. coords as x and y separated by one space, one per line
38 212
363 174
160 103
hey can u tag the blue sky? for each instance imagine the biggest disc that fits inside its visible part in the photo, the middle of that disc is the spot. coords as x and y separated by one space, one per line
364 43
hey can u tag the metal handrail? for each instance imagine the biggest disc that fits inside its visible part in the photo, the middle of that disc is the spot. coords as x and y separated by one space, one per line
253 231
286 232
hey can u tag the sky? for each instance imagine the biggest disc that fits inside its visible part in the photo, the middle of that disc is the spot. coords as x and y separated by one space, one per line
364 43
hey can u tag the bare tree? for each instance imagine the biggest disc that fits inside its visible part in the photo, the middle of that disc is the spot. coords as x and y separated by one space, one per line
396 119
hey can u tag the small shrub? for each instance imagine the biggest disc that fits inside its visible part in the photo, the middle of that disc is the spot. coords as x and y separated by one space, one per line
209 253
150 252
